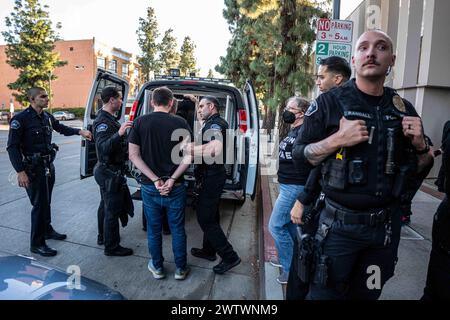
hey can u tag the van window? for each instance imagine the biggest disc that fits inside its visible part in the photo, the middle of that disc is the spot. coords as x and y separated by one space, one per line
97 102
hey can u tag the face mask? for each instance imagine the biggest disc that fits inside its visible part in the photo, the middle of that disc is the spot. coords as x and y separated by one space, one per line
288 117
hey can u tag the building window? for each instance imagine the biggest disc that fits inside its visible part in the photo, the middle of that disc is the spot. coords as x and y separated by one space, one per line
101 63
125 69
112 66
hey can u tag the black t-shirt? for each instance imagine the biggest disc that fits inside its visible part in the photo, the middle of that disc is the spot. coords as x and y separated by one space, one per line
287 172
159 135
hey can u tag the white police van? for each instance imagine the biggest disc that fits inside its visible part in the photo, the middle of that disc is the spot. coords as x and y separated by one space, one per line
238 107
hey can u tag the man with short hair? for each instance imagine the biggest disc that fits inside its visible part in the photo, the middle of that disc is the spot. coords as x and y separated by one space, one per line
332 72
111 146
369 142
32 153
210 178
154 147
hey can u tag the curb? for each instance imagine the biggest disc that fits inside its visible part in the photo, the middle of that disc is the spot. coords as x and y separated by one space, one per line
272 290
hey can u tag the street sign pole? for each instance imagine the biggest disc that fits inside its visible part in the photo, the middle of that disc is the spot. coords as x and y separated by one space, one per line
336 9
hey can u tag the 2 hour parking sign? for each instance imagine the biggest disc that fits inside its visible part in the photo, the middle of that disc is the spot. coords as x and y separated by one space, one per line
334 38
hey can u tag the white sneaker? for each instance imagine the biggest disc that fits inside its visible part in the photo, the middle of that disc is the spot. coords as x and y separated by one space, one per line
157 273
181 274
274 262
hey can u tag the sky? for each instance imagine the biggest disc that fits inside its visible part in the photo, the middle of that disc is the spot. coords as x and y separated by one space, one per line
115 22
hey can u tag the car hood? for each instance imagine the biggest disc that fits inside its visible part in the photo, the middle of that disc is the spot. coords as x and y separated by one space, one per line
23 278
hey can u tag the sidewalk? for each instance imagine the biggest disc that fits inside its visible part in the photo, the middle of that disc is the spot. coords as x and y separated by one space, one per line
414 250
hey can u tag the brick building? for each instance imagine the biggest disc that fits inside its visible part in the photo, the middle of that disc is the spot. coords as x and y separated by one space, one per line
72 87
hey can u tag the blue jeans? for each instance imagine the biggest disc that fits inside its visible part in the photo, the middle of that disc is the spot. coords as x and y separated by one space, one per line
280 225
174 204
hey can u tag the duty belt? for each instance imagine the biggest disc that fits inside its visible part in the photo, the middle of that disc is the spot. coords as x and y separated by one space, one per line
347 216
46 157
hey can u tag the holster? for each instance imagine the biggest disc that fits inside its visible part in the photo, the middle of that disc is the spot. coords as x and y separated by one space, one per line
305 255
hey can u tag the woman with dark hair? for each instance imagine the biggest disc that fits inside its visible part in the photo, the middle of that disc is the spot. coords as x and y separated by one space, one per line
292 182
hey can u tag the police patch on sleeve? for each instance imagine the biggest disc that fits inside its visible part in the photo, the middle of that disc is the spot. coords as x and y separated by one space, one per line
215 126
15 124
312 108
102 127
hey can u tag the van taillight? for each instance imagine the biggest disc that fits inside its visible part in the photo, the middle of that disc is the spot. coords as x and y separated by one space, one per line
243 121
133 110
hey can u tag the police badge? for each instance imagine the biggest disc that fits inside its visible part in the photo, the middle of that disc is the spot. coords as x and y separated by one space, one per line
399 104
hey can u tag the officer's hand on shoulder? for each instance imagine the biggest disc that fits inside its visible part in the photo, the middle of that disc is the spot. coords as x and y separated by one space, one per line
412 128
124 127
352 132
23 180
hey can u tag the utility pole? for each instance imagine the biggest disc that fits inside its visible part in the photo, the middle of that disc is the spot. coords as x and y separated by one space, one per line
336 9
50 91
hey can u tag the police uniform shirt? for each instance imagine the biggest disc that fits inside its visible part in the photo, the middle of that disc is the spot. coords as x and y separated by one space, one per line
214 126
287 172
31 133
111 147
156 134
322 120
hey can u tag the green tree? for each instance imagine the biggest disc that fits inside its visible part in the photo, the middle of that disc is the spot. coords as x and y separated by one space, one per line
271 45
147 34
210 74
168 52
30 44
187 57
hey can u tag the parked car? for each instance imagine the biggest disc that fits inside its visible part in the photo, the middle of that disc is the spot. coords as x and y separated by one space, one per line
238 107
24 278
63 115
5 115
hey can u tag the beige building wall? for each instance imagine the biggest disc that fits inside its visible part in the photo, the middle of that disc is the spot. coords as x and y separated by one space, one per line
419 30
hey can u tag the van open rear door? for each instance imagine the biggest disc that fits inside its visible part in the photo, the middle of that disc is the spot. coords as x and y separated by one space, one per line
88 157
252 140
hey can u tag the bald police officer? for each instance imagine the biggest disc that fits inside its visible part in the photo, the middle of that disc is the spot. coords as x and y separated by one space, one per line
369 142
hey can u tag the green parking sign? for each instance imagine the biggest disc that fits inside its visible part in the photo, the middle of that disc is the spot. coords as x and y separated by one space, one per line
328 49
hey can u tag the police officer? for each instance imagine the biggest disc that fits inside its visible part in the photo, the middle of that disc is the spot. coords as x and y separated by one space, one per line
32 153
210 176
332 72
367 140
111 147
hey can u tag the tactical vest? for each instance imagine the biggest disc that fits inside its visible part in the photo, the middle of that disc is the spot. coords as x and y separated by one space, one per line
378 168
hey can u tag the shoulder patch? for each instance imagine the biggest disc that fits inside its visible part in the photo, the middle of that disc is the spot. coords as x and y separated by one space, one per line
215 126
312 108
15 124
101 127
